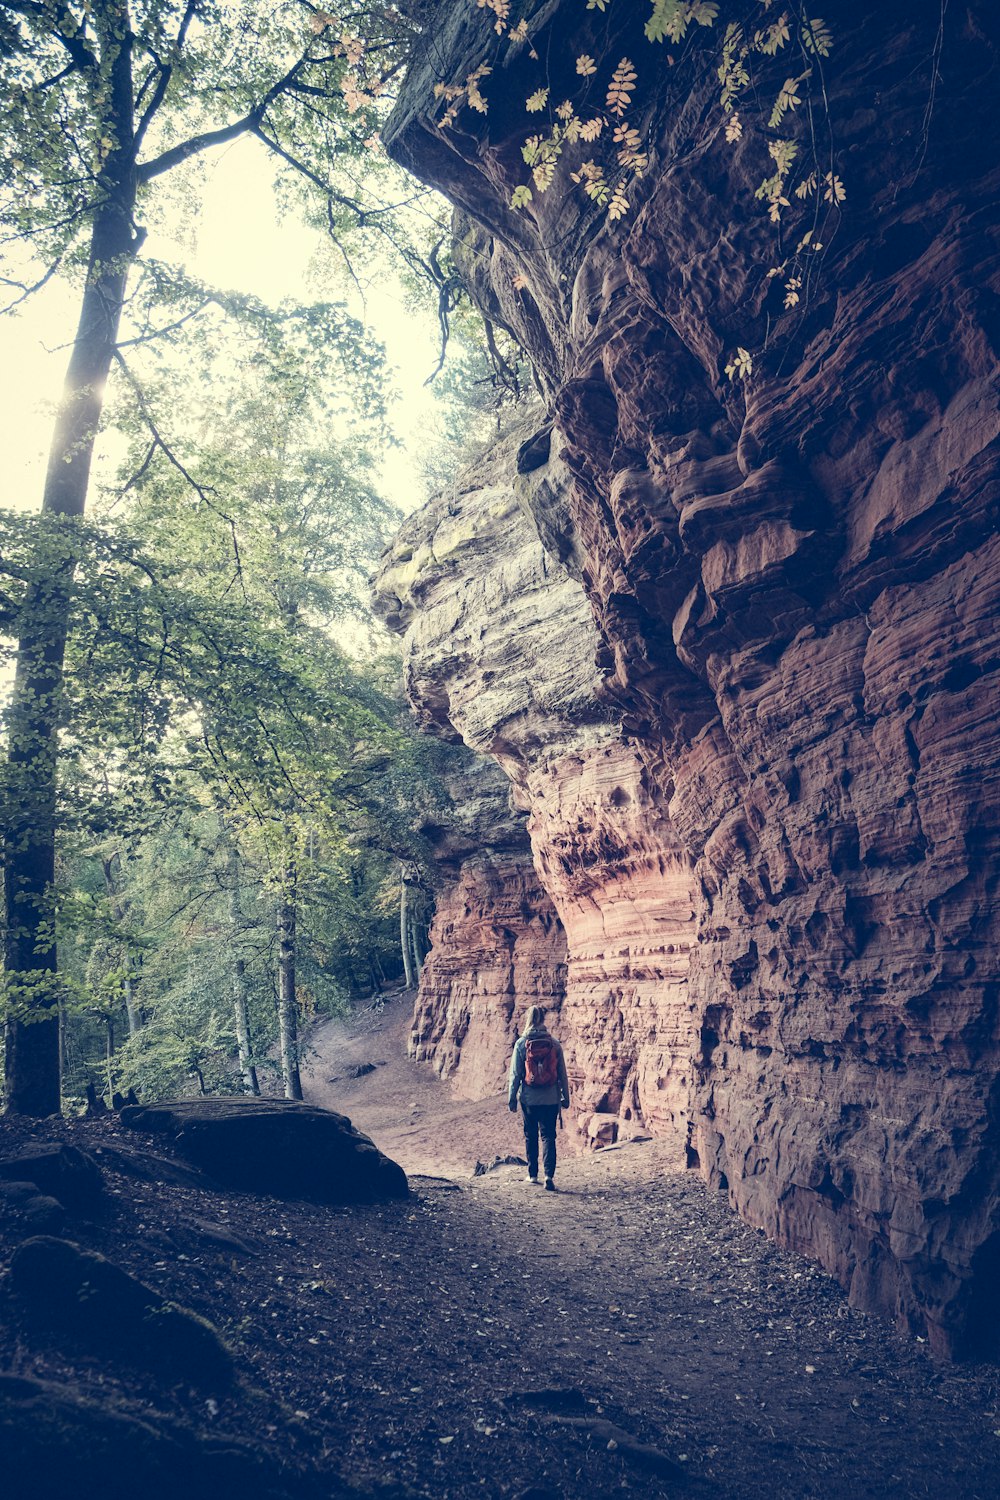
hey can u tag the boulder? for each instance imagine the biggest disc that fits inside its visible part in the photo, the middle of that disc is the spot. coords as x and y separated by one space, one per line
482 1167
362 1070
602 1130
275 1146
83 1297
59 1170
35 1212
129 1158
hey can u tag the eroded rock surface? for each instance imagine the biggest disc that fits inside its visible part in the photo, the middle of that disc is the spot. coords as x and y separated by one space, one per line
761 763
501 646
496 942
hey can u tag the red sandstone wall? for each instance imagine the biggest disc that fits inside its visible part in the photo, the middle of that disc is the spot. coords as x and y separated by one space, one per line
500 646
608 858
784 944
496 947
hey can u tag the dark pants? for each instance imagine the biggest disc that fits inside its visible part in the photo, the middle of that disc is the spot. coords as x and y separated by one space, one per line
540 1117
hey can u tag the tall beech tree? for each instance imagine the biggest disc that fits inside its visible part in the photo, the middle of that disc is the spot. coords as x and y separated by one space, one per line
100 101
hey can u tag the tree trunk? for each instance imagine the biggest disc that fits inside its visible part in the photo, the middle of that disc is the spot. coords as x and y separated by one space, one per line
32 1057
109 1053
287 1008
405 900
242 1015
415 944
240 1011
63 1033
114 885
132 1010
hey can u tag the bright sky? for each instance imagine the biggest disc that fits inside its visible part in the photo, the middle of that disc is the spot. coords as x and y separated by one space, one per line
238 243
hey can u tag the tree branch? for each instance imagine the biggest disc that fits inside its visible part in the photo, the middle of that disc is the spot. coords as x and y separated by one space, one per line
166 71
28 291
193 147
198 143
75 46
145 338
48 83
172 458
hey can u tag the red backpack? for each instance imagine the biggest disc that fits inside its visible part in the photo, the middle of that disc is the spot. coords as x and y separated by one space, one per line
541 1062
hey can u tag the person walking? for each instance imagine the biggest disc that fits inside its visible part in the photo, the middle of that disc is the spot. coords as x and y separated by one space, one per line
538 1073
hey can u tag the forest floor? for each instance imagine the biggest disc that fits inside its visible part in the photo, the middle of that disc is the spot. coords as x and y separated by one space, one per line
486 1338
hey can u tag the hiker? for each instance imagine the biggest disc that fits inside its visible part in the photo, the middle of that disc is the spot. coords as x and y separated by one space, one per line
538 1070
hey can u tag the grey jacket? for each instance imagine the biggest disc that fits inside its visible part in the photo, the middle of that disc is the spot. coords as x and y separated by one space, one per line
556 1093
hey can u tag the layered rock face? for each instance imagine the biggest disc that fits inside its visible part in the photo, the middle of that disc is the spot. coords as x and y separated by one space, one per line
768 820
496 944
500 647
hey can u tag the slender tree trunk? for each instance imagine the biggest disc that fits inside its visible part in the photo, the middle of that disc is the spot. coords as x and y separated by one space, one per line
405 898
240 1011
417 955
63 1031
114 885
408 935
32 1057
287 1008
415 944
133 1012
109 1053
242 1015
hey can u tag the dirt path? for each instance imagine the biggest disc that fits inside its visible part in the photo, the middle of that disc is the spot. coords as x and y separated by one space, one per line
414 1117
485 1338
634 1296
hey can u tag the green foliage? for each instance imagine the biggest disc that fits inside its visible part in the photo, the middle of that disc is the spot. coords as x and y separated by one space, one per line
752 103
215 722
188 658
671 18
310 86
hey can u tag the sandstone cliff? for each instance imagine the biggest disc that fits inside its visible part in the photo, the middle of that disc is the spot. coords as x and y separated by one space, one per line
500 645
736 646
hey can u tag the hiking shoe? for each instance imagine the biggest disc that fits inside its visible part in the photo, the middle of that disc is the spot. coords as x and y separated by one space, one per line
550 1186
529 1178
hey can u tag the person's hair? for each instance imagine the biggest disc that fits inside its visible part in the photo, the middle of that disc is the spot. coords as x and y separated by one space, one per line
535 1017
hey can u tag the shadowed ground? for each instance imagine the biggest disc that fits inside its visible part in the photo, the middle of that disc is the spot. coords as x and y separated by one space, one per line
482 1337
655 1305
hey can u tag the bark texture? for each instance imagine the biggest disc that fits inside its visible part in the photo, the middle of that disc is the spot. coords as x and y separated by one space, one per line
241 1008
768 819
288 1004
